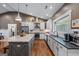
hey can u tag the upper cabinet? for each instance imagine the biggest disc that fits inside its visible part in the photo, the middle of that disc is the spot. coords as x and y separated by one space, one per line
30 24
49 24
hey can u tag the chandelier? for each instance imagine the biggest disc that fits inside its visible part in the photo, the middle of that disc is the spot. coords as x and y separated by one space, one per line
18 18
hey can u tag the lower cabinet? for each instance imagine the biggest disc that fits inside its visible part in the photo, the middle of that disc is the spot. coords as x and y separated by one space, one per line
73 52
20 48
62 51
57 48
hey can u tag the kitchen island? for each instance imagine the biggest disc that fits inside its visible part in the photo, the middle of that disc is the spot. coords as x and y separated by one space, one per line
20 46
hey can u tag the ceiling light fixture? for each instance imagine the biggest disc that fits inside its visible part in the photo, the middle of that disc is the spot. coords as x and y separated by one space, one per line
4 5
30 13
41 16
18 18
46 14
51 7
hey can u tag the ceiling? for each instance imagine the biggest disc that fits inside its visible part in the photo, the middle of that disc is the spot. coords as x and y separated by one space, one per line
42 10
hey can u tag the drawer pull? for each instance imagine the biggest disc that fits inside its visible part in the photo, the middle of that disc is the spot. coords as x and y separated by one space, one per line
18 45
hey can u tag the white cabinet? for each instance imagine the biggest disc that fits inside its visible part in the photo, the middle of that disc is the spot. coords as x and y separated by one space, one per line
42 36
24 23
49 42
42 27
59 50
30 24
56 47
49 24
62 51
52 45
73 52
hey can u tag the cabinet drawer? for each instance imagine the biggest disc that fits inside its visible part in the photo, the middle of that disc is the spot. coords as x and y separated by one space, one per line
62 47
62 51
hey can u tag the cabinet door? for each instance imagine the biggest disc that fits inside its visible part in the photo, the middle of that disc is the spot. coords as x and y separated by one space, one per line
62 51
42 36
49 44
52 45
24 23
31 25
73 52
42 25
55 51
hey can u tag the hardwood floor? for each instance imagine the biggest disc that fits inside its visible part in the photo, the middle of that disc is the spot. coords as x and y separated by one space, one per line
40 48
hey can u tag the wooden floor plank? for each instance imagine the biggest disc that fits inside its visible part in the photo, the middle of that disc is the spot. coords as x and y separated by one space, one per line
40 48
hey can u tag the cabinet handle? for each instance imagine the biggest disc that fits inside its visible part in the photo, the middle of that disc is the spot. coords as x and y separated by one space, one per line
18 45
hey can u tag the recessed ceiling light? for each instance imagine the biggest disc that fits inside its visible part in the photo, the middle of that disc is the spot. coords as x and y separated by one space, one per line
41 16
4 5
46 14
51 7
30 13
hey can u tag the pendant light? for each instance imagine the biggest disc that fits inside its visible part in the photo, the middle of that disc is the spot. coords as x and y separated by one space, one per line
18 18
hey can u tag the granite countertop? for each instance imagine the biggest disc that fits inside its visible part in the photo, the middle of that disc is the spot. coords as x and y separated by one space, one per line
68 45
17 38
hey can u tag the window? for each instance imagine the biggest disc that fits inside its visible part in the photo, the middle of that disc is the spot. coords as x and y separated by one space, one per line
62 25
